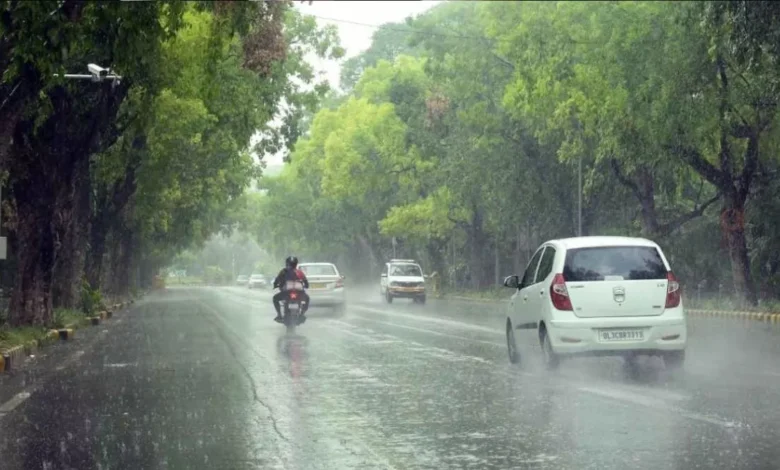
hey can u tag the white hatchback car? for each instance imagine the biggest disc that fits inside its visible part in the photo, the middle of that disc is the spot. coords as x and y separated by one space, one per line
599 296
326 285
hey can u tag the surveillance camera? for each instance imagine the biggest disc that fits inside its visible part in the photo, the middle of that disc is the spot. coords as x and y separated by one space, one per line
97 70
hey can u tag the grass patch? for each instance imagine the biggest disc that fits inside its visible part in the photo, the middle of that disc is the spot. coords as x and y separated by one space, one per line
64 316
494 293
10 337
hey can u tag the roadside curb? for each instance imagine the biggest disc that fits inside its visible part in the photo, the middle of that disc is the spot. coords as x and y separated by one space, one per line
10 358
769 317
758 316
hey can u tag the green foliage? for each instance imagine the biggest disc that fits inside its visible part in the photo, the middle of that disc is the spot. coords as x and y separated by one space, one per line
465 147
91 299
64 317
12 337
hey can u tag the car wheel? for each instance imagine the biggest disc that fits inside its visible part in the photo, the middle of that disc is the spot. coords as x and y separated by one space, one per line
674 359
340 309
389 298
511 344
551 360
421 300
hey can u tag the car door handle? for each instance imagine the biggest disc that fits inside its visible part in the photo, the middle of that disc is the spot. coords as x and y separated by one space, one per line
525 297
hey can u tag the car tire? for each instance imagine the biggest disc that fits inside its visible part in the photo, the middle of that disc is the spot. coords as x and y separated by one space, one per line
389 298
340 309
674 360
550 358
511 344
421 300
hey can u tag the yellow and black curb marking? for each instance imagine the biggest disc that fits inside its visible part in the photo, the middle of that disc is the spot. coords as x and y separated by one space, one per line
758 316
66 333
11 357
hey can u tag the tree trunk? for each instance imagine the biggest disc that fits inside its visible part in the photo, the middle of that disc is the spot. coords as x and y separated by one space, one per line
516 260
33 223
496 265
733 226
69 265
371 258
119 279
477 241
31 302
97 249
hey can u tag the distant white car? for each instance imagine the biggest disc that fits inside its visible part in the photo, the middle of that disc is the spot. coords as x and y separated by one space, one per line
326 285
242 279
256 280
402 278
599 296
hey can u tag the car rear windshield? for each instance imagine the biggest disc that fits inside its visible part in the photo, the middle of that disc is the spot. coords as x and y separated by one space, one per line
613 263
405 270
319 270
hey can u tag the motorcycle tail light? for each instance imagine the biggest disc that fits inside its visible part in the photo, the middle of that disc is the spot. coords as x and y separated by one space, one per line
293 295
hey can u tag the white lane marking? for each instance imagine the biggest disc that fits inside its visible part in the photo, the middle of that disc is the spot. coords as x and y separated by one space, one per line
657 404
15 401
423 330
120 364
429 319
438 353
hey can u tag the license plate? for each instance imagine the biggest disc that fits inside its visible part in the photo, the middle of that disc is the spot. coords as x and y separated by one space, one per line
317 285
609 336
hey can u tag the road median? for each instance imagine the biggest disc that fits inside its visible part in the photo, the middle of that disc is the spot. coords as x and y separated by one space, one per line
769 317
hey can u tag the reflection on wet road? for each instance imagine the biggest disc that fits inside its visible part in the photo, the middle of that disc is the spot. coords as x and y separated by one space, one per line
203 378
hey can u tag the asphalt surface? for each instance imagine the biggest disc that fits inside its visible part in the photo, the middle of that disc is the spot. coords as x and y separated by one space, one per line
203 378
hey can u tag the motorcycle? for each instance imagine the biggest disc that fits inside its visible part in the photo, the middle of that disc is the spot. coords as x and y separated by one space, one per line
292 306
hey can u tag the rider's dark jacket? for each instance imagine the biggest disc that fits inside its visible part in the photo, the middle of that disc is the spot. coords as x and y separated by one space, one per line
290 274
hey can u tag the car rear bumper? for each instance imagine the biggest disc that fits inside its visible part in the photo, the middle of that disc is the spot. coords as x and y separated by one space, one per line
327 297
583 338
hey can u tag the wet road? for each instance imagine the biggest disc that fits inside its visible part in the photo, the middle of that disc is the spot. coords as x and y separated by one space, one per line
202 378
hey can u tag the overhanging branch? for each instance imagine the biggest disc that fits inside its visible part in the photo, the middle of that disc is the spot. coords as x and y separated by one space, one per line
670 227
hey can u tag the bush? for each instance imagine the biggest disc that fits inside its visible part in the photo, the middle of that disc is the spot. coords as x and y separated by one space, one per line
63 317
91 300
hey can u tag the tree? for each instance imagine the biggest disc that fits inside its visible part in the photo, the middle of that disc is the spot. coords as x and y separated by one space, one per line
55 126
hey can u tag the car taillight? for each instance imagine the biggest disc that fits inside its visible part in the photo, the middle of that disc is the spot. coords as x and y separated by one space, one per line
559 294
672 291
339 283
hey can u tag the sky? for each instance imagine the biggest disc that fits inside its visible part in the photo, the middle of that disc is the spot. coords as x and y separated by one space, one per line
356 23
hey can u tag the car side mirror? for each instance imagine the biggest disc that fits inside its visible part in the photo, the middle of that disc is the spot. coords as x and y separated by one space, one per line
343 277
512 281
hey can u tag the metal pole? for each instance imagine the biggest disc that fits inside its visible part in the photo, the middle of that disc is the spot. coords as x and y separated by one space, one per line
579 196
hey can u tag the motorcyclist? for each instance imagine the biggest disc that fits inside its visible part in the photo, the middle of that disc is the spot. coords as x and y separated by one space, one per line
290 273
